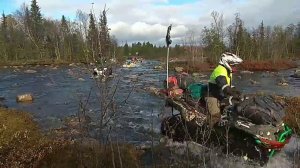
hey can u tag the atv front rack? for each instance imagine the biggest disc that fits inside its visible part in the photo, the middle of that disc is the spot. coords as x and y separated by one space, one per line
273 146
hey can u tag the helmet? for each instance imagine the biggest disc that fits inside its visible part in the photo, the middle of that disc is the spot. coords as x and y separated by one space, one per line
228 59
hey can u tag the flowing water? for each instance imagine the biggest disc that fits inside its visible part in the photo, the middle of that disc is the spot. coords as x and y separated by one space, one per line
57 92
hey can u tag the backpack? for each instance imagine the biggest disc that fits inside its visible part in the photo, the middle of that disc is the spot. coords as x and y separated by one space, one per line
196 90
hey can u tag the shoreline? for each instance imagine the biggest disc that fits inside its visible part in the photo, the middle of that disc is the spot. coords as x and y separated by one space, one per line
188 65
255 66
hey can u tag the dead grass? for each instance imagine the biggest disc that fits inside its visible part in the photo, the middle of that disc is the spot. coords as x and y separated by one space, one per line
293 113
92 156
268 65
23 145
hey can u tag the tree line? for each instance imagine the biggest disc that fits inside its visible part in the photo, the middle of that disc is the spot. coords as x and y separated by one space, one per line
27 36
259 43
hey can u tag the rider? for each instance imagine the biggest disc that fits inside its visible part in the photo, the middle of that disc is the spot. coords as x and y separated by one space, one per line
220 85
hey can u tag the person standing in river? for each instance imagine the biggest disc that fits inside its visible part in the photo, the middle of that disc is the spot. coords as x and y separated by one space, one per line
220 86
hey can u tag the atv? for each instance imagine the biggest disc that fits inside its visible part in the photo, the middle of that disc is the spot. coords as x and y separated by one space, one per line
253 127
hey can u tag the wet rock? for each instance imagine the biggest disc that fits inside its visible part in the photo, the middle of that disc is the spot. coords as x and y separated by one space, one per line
154 90
246 72
283 84
198 75
159 67
30 71
81 79
178 69
253 82
297 73
25 98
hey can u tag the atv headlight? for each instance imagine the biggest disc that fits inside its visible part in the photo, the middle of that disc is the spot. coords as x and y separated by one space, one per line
261 133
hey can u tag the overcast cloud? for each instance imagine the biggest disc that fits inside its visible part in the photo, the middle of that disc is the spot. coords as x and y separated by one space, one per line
147 20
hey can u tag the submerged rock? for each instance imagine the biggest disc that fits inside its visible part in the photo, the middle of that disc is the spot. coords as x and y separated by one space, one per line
178 69
253 82
246 72
297 73
30 71
25 98
283 84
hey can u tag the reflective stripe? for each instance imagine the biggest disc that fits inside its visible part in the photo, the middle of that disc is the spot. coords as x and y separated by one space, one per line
224 87
230 98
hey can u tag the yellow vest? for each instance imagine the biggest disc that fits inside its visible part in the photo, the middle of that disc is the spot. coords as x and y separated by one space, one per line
220 71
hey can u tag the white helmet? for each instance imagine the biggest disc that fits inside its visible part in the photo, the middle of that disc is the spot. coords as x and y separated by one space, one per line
228 59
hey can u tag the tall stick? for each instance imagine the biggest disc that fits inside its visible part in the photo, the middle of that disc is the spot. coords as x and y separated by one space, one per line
168 67
168 41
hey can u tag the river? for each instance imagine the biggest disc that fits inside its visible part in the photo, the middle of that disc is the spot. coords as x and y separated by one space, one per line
58 90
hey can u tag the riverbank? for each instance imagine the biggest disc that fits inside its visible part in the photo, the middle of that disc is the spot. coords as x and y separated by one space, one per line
22 144
266 65
188 66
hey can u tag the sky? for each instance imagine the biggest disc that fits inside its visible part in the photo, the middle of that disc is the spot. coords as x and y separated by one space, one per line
147 20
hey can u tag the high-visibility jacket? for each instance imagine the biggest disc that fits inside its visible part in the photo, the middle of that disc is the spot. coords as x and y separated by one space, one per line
219 80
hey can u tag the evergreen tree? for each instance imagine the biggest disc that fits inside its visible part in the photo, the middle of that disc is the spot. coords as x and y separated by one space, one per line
261 41
3 38
36 21
4 28
126 49
64 25
93 37
105 42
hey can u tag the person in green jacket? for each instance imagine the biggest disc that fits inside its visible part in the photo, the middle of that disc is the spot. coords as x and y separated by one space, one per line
220 85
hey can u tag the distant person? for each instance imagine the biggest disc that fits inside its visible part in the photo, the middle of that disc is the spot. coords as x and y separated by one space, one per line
220 85
97 72
107 71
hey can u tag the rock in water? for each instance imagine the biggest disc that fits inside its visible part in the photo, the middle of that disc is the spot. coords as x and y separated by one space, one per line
30 71
25 98
297 73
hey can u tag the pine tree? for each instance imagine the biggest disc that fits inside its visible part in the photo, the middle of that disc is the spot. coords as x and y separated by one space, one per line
93 37
3 38
126 50
65 37
261 40
4 28
64 25
36 21
105 42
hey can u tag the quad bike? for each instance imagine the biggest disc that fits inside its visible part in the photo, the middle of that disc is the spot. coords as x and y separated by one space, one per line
253 127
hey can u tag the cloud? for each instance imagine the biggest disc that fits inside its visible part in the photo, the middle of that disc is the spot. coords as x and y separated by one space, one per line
147 20
154 33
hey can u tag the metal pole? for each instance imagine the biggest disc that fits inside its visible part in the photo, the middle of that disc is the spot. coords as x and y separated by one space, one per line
168 41
168 66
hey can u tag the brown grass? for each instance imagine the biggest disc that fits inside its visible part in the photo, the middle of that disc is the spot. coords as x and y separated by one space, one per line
21 142
23 145
93 155
293 113
268 65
